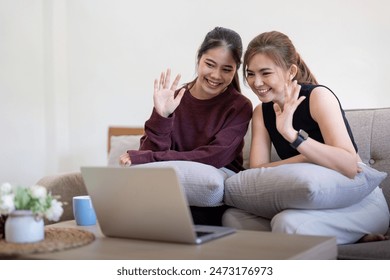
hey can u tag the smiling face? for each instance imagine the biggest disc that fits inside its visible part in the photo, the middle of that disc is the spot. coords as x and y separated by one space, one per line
267 79
216 70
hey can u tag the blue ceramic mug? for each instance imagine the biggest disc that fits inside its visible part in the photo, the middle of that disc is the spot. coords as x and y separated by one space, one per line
83 211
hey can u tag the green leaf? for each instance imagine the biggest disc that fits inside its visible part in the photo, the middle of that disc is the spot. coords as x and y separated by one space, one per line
22 199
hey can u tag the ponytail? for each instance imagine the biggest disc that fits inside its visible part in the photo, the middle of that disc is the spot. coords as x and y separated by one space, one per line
304 75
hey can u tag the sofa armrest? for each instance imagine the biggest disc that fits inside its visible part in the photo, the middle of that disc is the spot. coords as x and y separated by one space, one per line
66 186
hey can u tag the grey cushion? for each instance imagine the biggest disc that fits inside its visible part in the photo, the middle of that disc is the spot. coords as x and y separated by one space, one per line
267 191
203 184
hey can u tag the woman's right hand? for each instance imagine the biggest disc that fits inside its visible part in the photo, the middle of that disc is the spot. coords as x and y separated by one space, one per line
164 99
284 116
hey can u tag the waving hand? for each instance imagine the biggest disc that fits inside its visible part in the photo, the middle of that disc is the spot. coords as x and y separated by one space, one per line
164 99
284 116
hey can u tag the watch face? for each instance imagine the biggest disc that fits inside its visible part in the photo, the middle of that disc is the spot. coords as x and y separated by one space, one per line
303 133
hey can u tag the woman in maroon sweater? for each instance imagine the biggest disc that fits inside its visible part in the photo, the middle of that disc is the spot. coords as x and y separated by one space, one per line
204 121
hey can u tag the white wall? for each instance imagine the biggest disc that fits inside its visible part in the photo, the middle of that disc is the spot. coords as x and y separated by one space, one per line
22 102
69 69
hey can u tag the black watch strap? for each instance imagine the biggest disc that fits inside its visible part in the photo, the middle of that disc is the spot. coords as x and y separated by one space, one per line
302 136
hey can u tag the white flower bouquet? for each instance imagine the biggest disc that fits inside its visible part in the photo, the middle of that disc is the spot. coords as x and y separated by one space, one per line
34 198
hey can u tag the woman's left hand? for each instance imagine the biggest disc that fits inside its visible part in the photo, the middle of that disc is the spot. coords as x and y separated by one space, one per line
124 160
284 116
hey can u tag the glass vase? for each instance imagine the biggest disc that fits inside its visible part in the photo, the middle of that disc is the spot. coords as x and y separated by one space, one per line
23 226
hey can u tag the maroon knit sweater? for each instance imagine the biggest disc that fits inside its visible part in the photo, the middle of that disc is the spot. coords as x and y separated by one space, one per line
206 131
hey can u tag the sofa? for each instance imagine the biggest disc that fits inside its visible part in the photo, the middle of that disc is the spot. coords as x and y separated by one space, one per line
371 129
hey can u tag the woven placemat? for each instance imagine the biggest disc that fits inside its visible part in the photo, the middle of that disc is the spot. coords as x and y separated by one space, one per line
56 239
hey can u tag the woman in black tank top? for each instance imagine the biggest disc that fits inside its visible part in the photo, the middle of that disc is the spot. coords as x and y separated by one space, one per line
293 101
302 119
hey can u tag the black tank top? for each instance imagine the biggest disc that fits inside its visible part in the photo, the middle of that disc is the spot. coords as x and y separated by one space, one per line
301 120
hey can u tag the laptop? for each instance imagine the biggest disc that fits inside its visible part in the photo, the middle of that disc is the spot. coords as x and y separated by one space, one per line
144 203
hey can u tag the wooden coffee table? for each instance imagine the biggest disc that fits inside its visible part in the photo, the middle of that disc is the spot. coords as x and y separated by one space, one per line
242 245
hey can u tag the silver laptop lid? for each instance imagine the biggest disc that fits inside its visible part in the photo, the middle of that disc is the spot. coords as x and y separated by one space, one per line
142 203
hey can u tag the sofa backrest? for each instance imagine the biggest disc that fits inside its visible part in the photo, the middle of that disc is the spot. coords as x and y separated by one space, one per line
371 130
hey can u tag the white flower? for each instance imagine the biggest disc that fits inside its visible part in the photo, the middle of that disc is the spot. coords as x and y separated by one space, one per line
55 211
38 192
34 198
5 188
7 204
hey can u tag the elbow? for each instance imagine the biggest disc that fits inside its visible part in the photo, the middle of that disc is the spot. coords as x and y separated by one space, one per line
349 166
351 174
351 171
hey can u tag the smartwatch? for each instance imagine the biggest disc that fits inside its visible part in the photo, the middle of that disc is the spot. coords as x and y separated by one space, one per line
302 136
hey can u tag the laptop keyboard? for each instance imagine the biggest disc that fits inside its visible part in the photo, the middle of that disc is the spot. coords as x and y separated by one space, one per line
201 233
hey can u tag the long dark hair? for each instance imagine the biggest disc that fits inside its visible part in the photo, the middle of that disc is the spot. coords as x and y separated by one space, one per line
278 47
222 37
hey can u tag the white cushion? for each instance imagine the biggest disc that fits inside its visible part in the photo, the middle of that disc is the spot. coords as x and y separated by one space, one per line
119 146
203 184
267 191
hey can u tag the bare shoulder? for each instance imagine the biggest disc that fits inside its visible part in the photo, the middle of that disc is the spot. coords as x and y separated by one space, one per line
258 110
322 94
257 117
323 102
